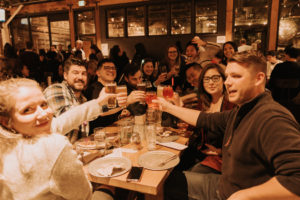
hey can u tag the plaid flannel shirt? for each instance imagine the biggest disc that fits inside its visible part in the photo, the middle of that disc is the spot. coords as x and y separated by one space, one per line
61 97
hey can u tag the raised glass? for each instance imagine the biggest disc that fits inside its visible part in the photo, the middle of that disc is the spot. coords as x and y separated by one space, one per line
111 88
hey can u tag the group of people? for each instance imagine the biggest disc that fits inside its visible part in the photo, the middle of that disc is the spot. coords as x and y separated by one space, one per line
245 145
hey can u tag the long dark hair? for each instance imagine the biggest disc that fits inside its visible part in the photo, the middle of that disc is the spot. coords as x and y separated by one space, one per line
233 44
114 51
205 97
146 60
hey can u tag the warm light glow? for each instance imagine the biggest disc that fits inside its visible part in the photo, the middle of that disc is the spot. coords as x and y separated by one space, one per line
287 30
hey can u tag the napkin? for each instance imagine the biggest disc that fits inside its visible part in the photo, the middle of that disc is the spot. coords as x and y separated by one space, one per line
108 170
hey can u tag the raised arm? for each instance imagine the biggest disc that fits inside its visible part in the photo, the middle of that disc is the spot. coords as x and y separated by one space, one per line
190 116
85 112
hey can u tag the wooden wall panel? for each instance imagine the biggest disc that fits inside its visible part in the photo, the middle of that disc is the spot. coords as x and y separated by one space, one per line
64 5
273 25
229 20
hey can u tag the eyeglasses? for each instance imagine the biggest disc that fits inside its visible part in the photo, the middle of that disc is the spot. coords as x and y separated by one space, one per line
172 51
214 78
109 68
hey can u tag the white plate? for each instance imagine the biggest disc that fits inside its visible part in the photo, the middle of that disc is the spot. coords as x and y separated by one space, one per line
99 163
152 159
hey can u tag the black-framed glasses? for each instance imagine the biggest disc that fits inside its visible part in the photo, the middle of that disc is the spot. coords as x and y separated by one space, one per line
109 68
214 78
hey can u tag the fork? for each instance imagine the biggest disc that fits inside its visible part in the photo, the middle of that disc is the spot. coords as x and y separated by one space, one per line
167 160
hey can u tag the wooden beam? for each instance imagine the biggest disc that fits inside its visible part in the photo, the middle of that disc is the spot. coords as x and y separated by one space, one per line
64 5
98 26
229 20
72 25
273 25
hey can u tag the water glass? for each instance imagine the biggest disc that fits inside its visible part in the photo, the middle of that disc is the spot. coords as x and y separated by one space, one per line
151 136
125 133
151 115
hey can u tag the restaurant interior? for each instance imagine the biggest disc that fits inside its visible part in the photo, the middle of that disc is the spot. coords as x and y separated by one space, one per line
132 131
274 22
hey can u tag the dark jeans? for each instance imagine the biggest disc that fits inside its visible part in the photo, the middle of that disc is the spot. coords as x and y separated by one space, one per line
191 186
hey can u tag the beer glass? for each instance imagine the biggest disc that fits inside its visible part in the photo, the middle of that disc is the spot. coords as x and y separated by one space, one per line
142 87
111 88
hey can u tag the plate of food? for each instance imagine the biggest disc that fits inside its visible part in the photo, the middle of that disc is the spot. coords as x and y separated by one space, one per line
166 136
109 166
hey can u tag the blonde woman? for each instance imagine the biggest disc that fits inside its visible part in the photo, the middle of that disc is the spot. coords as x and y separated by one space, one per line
35 162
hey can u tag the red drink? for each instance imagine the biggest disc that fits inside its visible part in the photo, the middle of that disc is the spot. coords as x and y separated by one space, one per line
149 97
168 92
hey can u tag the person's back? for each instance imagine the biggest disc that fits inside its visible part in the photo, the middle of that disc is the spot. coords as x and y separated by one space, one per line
285 81
35 168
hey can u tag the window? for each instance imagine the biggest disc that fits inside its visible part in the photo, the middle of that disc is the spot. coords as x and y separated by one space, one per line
206 16
136 21
181 18
86 23
20 32
157 19
289 23
60 33
40 32
115 23
251 12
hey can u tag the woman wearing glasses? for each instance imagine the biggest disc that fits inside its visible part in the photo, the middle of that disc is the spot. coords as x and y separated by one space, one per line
204 152
171 69
212 98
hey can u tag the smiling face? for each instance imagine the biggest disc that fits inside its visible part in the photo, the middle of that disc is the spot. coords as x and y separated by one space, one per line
191 52
172 53
228 51
31 114
213 82
192 76
148 68
241 83
76 77
107 72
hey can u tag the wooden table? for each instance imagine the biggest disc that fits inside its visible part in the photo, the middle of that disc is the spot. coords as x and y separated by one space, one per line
151 183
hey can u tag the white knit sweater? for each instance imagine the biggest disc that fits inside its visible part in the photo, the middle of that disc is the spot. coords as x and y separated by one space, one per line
45 167
41 168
